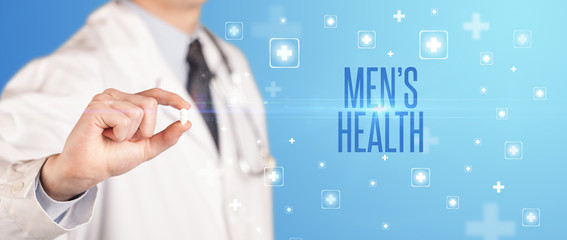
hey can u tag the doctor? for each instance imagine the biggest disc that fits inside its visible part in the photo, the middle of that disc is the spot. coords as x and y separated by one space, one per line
91 146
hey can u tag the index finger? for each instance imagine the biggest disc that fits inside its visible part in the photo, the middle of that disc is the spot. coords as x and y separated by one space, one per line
166 98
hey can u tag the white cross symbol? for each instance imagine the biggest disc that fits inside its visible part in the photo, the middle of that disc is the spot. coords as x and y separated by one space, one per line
522 38
468 168
390 53
385 157
291 140
366 39
246 75
476 26
531 217
513 68
486 58
399 15
235 204
513 150
483 90
502 113
330 21
234 30
539 93
273 89
490 227
452 202
433 44
274 176
284 53
331 199
498 187
420 177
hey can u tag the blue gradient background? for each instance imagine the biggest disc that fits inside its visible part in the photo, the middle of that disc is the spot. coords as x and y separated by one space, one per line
455 112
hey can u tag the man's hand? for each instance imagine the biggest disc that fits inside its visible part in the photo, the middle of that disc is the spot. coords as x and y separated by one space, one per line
114 135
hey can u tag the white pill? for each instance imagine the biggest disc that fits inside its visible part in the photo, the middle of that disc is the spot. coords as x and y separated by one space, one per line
183 116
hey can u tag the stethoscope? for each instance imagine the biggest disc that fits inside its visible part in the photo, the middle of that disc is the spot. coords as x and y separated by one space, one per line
234 99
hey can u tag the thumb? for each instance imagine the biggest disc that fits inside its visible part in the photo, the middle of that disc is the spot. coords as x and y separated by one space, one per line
165 139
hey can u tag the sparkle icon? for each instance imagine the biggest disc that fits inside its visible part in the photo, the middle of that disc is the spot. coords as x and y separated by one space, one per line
502 114
274 176
540 93
284 53
366 39
477 141
483 90
434 12
522 38
433 44
330 21
468 168
233 30
372 183
513 150
283 20
330 199
420 177
322 164
486 58
531 217
288 209
385 226
452 202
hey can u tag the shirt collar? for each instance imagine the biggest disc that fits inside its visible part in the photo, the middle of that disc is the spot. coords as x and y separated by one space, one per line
171 42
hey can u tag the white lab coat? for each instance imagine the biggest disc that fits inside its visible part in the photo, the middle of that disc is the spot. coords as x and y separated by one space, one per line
184 193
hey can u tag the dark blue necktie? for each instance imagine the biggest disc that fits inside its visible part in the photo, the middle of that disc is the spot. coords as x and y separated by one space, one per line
199 87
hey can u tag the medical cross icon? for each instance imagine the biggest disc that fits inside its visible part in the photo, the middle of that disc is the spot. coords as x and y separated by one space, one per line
540 93
235 204
513 150
531 217
522 38
433 44
366 39
476 26
385 157
490 228
274 176
498 187
420 177
233 30
330 21
330 199
291 140
284 53
452 202
273 89
399 16
502 114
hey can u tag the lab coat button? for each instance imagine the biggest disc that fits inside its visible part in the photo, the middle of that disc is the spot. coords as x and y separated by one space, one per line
17 187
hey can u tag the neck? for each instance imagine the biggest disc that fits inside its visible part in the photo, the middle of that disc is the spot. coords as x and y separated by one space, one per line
184 18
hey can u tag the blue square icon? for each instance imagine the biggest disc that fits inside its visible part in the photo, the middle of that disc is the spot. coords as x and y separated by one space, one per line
514 150
540 93
330 21
531 217
284 53
522 38
502 114
233 30
274 176
433 44
486 58
366 39
452 202
420 177
330 199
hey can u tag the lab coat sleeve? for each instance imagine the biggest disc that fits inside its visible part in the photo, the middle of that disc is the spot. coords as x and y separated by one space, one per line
21 215
55 209
38 109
